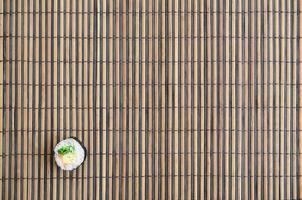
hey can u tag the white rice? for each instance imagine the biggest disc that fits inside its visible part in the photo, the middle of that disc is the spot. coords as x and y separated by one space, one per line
79 151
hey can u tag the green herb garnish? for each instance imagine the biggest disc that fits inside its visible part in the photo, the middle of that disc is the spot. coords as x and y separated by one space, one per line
66 149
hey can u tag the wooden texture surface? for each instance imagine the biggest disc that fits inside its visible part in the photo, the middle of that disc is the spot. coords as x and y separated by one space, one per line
194 99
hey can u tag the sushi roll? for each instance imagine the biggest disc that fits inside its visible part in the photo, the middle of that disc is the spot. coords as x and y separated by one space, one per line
69 154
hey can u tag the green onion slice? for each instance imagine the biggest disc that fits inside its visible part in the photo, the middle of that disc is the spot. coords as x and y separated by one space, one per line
66 149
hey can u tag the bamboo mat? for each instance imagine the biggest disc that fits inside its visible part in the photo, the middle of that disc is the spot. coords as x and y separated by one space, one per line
194 99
